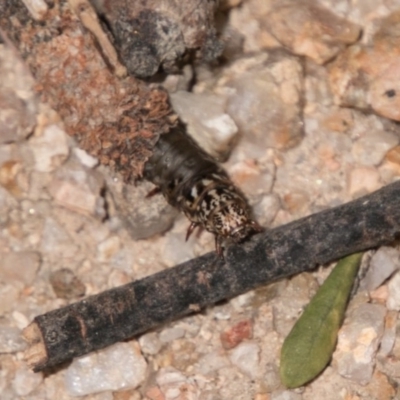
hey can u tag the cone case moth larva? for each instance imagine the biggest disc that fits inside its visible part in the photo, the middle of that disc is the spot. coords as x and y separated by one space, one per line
193 182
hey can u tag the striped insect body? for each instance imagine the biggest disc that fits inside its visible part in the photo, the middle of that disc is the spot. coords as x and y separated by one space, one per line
192 181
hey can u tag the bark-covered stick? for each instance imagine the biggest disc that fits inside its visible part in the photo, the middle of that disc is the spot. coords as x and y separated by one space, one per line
115 119
123 312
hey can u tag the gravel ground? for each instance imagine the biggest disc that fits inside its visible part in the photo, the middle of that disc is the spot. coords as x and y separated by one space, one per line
296 131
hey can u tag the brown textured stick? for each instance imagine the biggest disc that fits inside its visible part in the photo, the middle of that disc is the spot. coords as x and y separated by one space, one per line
123 312
116 120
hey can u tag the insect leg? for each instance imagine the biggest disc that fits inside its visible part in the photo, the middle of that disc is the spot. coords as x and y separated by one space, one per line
153 192
218 246
190 230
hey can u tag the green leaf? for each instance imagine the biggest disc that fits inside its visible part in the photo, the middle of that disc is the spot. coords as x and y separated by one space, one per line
309 346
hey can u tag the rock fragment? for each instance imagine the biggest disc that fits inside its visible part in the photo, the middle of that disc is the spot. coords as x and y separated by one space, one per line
174 384
358 342
66 284
310 30
142 217
117 367
383 264
231 337
26 381
50 148
393 301
18 106
11 339
246 357
264 100
365 76
207 121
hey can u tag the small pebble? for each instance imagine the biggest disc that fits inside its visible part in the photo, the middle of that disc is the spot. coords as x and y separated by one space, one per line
383 264
340 120
38 8
328 386
9 177
108 248
118 277
246 357
380 295
372 147
222 315
208 123
154 393
170 334
179 81
250 30
50 149
26 381
85 158
253 179
174 385
169 375
266 209
384 92
231 337
212 362
20 319
11 340
154 216
56 240
285 395
389 334
78 189
66 285
270 378
393 301
150 343
365 76
358 342
117 367
18 103
394 155
314 31
176 252
381 387
265 103
74 197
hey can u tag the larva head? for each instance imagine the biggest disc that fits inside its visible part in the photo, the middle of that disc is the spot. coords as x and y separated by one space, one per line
233 221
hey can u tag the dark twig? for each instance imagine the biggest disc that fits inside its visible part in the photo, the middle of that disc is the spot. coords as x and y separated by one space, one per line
129 310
